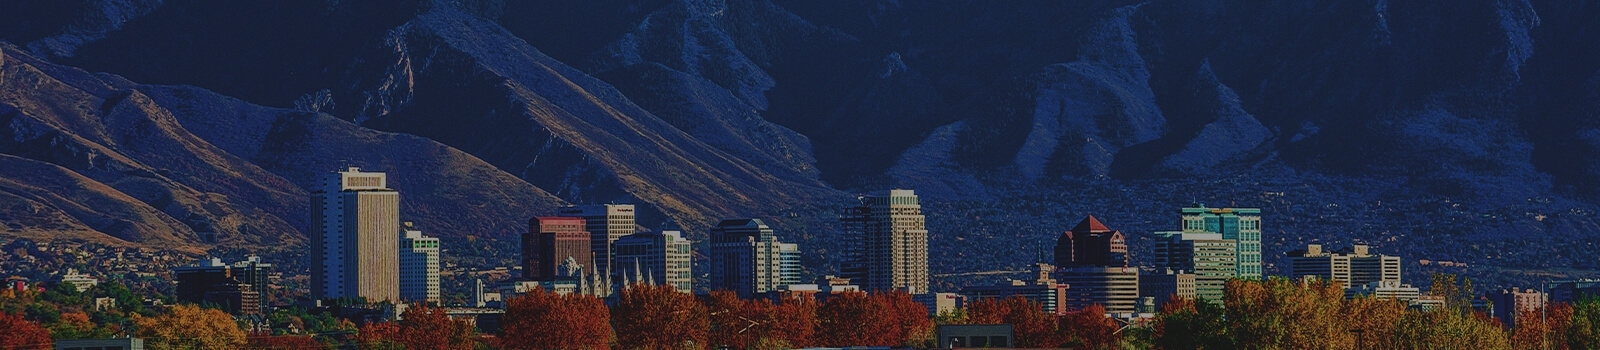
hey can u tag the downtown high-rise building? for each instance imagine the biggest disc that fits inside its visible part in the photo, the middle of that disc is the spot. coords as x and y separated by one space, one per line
419 267
662 257
1242 225
355 228
1092 260
606 224
887 241
556 248
746 258
1212 259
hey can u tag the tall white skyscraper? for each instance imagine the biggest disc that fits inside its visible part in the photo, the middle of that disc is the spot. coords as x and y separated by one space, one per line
606 223
355 227
419 267
662 257
889 242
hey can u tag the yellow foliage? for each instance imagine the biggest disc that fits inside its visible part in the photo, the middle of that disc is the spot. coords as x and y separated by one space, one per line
190 327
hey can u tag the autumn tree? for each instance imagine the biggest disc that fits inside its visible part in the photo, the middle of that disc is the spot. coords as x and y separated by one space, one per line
659 317
190 327
1584 329
1186 323
793 324
1089 328
1371 320
76 325
422 327
849 318
284 342
1546 330
1448 328
18 333
1031 326
908 319
1279 313
379 335
545 320
732 320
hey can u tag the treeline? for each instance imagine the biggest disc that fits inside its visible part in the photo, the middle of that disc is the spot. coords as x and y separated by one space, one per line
1271 314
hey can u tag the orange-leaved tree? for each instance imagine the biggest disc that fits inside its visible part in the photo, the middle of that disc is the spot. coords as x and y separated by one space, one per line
793 323
18 333
190 327
908 320
659 317
422 327
1030 325
849 318
732 320
760 324
545 320
1543 329
379 335
1089 328
1371 320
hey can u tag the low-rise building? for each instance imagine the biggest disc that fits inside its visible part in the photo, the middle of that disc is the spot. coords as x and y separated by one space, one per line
1385 290
1356 268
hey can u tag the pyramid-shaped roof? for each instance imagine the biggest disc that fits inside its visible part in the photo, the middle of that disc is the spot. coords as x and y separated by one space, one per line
1090 224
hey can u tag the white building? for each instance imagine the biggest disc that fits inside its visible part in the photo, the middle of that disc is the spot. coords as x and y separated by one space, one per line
662 257
1385 290
79 280
355 227
419 267
1356 268
789 264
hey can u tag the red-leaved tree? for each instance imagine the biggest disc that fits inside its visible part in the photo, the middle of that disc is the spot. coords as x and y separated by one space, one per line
270 342
885 319
18 333
543 320
659 317
760 324
1090 328
1032 327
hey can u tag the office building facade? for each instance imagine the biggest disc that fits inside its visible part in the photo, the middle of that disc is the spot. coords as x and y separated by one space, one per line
888 239
1242 225
1161 285
556 248
215 283
606 224
1092 260
661 257
1356 268
1208 256
419 267
1116 288
746 258
355 219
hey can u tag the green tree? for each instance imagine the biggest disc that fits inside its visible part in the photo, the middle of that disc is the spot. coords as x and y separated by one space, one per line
1191 324
1584 331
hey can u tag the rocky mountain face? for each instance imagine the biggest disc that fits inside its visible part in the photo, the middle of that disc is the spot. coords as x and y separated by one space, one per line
1447 131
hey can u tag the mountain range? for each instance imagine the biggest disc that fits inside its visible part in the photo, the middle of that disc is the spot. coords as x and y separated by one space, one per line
1463 131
